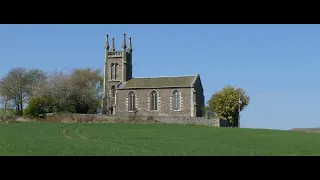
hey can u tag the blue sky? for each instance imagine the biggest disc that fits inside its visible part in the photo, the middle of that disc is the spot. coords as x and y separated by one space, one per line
278 65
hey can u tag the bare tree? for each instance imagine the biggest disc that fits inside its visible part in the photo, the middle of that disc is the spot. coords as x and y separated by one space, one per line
86 88
17 84
58 88
11 87
5 102
33 78
77 91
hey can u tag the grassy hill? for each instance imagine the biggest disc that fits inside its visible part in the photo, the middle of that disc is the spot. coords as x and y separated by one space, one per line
150 139
315 130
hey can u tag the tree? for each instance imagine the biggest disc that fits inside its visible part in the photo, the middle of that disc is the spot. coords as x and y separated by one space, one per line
86 90
208 112
225 103
33 78
17 84
4 96
77 91
12 87
5 102
39 107
58 87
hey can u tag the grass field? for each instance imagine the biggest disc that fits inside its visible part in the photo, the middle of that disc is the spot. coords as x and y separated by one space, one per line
150 139
315 130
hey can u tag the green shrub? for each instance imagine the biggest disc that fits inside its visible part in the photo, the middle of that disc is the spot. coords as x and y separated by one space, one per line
8 115
150 119
38 107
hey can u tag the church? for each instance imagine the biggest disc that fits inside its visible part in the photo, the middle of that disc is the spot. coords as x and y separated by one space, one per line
151 96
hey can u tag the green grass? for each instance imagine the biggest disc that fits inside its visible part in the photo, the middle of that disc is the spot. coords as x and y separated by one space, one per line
150 139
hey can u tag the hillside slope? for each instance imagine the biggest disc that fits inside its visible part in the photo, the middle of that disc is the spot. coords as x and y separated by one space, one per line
150 139
315 130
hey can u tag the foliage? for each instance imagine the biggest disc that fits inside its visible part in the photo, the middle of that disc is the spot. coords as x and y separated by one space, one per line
6 103
150 119
208 112
58 87
86 90
38 107
225 103
33 78
6 114
78 91
16 86
134 117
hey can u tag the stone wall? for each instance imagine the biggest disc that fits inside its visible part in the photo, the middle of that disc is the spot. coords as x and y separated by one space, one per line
150 119
189 120
164 102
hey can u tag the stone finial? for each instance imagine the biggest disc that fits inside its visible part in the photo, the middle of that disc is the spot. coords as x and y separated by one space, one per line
124 44
113 46
130 45
107 42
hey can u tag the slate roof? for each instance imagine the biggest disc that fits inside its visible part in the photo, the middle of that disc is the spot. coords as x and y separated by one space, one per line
159 82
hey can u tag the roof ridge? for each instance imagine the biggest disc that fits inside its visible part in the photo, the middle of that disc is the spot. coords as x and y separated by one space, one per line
160 81
165 76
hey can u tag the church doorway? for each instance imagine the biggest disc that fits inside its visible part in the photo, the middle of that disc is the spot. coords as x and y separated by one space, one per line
111 111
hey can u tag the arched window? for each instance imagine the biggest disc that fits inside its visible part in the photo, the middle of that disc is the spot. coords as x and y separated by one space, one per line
116 71
113 91
153 101
176 100
132 101
111 70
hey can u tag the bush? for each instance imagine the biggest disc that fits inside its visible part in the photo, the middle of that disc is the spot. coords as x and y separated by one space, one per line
9 115
150 119
134 117
39 107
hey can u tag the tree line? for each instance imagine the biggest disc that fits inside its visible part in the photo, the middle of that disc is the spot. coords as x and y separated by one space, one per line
35 92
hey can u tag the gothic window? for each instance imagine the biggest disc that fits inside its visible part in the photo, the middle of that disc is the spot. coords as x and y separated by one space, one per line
132 101
111 70
153 101
176 100
116 71
113 91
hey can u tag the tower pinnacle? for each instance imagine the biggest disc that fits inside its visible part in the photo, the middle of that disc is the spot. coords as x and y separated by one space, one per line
124 44
130 45
113 46
107 43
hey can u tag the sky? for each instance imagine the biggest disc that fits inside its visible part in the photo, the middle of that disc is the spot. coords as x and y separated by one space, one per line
278 65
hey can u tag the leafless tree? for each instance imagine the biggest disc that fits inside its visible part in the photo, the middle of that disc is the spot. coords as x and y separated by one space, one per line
79 90
33 78
86 87
17 84
5 102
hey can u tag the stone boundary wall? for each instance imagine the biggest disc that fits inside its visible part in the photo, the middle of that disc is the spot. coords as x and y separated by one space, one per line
216 122
98 118
189 120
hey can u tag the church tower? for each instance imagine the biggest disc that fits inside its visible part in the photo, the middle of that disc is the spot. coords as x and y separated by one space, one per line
117 69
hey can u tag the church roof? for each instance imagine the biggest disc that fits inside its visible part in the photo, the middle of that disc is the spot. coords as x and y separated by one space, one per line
159 82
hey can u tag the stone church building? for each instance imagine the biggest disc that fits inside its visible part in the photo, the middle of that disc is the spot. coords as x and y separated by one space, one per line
151 96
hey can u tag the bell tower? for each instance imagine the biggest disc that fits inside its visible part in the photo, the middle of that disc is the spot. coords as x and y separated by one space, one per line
117 69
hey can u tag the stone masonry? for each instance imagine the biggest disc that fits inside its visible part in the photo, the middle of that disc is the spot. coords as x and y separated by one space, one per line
118 83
